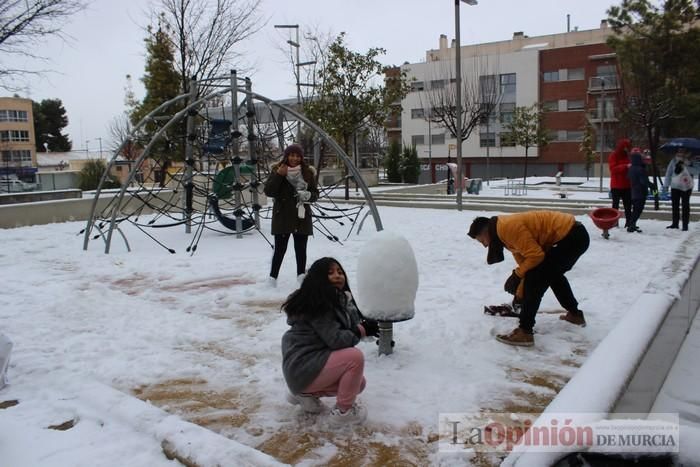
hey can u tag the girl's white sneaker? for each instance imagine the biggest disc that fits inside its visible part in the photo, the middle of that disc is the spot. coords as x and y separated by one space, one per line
308 403
353 416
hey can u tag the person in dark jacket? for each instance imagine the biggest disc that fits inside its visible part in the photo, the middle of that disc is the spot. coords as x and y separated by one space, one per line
618 163
545 246
319 357
292 184
639 184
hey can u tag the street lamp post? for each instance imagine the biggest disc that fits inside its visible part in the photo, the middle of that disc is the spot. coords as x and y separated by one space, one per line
602 128
458 85
296 65
430 145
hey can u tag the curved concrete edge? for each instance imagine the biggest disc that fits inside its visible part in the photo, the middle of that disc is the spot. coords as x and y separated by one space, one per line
627 378
180 439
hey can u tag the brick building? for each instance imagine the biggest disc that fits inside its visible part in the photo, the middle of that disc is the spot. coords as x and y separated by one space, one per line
573 75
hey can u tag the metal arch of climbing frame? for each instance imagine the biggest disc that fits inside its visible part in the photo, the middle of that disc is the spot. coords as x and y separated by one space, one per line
193 105
146 152
110 164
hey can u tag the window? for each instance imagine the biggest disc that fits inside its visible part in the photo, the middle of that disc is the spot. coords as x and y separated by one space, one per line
608 106
14 136
13 116
607 74
506 140
550 76
550 106
487 139
417 86
437 84
507 110
489 116
487 88
417 113
437 139
574 105
574 135
22 155
417 139
508 87
575 73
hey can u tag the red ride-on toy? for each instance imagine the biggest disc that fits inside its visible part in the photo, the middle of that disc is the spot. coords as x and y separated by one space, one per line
605 219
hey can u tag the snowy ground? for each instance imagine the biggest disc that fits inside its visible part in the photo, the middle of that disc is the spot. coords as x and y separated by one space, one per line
199 336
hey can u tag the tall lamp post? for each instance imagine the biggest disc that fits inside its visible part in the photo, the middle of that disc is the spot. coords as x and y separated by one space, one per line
602 128
458 85
297 46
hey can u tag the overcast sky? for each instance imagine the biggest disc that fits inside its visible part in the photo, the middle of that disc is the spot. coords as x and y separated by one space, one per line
107 44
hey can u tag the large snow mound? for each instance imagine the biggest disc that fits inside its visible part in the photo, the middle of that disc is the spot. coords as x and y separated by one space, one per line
387 278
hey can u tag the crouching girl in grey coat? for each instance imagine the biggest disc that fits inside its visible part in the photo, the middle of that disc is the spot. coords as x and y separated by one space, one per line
319 357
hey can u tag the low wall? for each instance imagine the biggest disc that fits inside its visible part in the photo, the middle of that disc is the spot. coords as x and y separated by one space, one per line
33 196
68 210
49 212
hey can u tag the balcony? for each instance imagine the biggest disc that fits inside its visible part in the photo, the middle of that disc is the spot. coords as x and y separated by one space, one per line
610 115
604 83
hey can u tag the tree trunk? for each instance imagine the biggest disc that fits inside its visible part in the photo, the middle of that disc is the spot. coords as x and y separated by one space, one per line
346 146
525 176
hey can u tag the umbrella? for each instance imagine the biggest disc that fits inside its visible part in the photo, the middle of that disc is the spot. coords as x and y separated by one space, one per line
692 145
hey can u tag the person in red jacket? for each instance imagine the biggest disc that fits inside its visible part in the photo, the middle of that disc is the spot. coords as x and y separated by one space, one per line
619 162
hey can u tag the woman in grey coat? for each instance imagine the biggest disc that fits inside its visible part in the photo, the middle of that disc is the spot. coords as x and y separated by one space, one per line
319 357
292 184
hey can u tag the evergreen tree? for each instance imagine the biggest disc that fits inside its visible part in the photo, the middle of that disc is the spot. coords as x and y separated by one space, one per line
162 83
90 175
657 48
49 121
410 165
392 163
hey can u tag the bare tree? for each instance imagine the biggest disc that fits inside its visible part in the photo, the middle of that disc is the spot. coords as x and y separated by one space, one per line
24 24
479 97
120 129
205 35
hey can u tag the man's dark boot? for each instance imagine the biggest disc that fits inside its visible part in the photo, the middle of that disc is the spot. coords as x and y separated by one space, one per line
574 317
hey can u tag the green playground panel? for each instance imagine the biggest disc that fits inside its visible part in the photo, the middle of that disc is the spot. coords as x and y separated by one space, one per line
224 180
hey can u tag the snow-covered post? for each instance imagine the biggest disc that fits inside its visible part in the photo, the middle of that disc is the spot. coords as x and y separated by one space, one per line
387 281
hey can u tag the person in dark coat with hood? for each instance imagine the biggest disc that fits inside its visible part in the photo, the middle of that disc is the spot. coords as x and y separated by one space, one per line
619 163
639 188
292 184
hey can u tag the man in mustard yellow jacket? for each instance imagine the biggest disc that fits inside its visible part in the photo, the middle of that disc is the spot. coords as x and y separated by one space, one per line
545 245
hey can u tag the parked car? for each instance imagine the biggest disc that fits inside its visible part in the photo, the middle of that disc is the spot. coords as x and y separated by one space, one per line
15 185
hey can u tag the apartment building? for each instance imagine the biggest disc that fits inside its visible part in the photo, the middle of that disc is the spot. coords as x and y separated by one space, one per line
17 151
573 75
